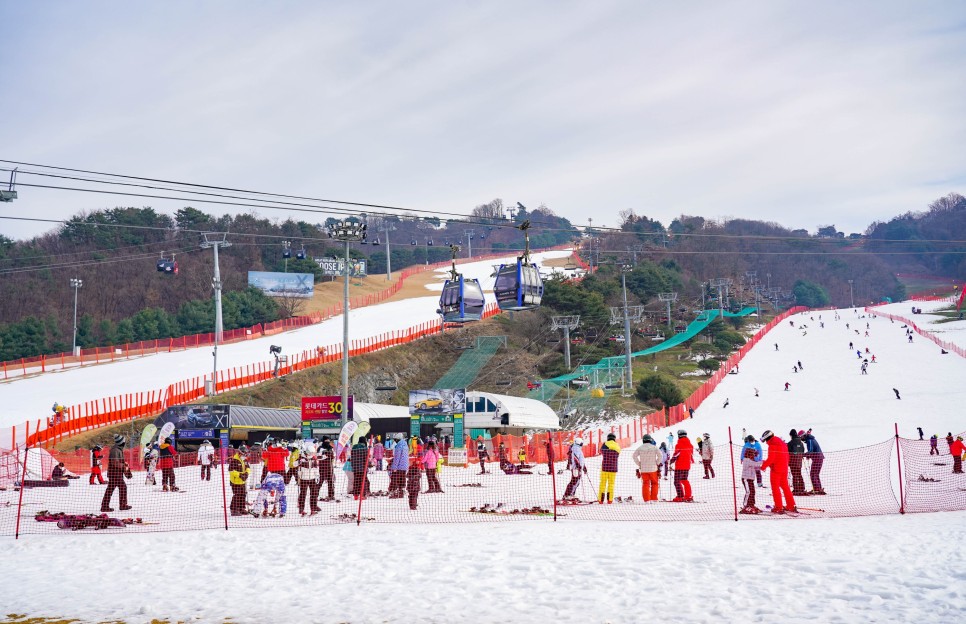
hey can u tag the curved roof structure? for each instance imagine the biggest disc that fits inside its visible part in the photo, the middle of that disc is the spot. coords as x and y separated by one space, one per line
486 410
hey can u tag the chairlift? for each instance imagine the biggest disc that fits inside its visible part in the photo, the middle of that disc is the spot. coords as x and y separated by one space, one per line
167 265
658 337
10 194
378 241
462 299
286 252
519 286
413 242
429 242
300 254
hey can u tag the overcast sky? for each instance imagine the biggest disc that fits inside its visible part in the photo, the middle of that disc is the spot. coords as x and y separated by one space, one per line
802 113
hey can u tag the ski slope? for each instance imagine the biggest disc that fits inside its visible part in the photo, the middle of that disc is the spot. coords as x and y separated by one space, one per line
875 569
30 398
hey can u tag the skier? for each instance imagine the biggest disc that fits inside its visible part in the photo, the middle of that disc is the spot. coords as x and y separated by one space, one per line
920 433
707 456
413 483
682 458
949 441
166 455
327 467
851 346
787 386
275 457
957 449
272 495
308 478
751 443
865 368
576 466
749 467
664 454
777 462
609 454
796 452
378 452
117 469
360 469
756 391
430 460
96 465
206 456
482 453
933 444
813 452
794 369
237 476
776 346
398 467
800 367
648 459
726 403
897 392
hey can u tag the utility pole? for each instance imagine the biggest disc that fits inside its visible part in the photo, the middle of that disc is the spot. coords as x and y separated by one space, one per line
627 328
214 240
286 252
566 323
75 284
469 242
346 231
851 298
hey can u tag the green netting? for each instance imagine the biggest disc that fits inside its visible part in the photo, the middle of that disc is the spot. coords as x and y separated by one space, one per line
469 365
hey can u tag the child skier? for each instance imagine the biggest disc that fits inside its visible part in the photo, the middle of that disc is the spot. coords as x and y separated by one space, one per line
749 470
96 465
576 466
271 495
413 482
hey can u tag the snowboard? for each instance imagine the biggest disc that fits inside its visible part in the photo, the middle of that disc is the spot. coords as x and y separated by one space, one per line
165 431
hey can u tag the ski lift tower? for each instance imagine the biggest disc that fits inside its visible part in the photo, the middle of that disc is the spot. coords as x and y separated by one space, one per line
566 323
720 283
215 240
668 298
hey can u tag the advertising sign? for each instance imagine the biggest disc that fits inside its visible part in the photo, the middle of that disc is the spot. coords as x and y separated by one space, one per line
325 408
437 401
336 266
300 285
195 434
197 416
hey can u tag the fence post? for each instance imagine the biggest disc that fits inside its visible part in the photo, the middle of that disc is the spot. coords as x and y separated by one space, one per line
553 473
734 486
224 495
902 498
23 477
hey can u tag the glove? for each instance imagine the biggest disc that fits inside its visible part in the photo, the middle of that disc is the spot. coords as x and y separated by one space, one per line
638 473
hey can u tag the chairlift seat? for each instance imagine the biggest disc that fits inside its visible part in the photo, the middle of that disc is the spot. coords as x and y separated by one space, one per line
518 286
8 196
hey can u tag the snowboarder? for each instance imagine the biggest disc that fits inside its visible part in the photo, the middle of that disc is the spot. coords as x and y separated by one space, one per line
949 441
896 391
482 453
813 452
206 456
398 467
237 476
166 455
648 459
777 463
609 453
682 458
707 456
957 449
576 466
308 478
920 433
327 467
749 467
796 452
117 469
96 456
933 444
430 460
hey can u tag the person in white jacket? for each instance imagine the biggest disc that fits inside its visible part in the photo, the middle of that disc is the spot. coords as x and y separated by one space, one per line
206 457
707 455
308 471
648 459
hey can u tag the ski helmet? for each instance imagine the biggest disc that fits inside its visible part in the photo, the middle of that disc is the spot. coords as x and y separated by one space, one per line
768 434
749 438
647 439
611 436
579 441
706 435
682 433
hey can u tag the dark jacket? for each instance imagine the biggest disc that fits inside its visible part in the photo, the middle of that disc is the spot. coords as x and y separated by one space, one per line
609 454
796 446
812 447
360 454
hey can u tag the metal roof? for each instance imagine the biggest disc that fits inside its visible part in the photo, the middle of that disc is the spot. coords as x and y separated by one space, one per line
244 416
523 412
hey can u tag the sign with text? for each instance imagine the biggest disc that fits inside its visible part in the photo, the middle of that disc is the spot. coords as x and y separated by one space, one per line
325 408
300 285
437 401
195 434
336 266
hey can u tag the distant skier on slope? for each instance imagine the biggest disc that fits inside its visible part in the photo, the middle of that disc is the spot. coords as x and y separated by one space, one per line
897 392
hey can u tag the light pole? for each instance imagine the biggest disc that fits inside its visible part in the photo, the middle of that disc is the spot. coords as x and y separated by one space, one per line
347 231
469 242
75 284
214 240
851 299
627 329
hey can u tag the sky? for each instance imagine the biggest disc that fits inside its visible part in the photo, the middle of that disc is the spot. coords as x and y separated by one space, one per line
802 114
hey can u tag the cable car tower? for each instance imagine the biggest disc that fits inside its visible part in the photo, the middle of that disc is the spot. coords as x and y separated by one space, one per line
462 299
519 286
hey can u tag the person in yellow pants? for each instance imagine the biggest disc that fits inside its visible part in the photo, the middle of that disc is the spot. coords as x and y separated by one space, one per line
608 469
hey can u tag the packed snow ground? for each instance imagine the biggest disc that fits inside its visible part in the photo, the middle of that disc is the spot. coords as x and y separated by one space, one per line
884 569
24 399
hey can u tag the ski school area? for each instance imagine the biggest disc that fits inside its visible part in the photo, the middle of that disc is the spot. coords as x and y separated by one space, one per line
477 542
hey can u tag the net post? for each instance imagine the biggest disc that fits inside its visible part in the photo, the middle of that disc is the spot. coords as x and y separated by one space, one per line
553 473
734 485
223 452
362 486
23 477
902 498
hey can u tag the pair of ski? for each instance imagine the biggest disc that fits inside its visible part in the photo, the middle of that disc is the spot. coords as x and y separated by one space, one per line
802 511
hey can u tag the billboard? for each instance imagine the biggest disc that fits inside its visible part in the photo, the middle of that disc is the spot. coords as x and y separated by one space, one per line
197 417
325 408
336 266
300 285
430 402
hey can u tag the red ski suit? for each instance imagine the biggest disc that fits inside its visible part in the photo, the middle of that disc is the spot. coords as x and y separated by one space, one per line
777 461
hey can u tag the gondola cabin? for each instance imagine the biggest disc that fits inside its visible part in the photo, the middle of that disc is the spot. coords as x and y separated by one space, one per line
518 286
461 301
300 254
166 265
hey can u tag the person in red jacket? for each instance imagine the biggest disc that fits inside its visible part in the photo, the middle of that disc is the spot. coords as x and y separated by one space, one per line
777 461
957 449
274 457
682 458
166 456
96 457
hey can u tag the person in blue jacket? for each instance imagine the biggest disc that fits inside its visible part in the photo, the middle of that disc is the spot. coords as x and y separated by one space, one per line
752 443
813 452
398 467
